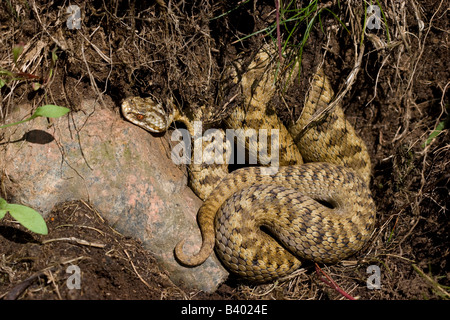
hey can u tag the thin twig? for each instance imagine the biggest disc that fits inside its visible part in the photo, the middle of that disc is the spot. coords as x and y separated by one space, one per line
78 241
277 7
137 273
348 84
331 283
17 290
438 287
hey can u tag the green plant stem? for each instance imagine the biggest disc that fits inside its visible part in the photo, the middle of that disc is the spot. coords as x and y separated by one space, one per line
18 122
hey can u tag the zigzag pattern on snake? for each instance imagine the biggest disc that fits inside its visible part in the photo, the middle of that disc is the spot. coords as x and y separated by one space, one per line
289 204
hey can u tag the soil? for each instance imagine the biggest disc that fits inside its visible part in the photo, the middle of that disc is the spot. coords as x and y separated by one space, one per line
398 104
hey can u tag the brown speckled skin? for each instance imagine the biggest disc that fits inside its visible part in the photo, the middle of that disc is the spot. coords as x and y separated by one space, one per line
239 203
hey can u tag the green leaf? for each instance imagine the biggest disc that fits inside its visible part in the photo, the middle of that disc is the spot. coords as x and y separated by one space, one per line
434 134
29 218
54 56
51 111
3 203
2 213
35 86
5 73
17 51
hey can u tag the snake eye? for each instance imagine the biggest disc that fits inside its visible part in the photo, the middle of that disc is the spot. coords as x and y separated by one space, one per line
140 117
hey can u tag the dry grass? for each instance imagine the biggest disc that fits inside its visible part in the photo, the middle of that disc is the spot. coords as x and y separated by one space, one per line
392 82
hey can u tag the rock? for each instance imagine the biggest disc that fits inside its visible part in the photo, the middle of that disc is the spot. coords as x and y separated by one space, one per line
122 170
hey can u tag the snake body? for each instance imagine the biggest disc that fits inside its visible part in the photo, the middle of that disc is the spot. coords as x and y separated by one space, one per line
262 225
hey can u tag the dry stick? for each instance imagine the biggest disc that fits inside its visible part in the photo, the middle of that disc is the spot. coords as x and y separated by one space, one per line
91 77
97 213
52 279
137 273
277 9
348 84
413 73
81 226
438 287
76 240
423 47
61 45
16 291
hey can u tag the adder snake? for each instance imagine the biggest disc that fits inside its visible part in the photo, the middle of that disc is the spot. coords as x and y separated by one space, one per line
263 225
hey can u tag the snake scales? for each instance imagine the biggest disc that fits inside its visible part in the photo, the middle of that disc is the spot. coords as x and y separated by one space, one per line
321 210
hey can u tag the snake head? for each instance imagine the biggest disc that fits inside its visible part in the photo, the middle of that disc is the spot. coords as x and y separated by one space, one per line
145 113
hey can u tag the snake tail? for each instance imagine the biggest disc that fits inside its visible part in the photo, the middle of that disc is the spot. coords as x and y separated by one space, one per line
322 235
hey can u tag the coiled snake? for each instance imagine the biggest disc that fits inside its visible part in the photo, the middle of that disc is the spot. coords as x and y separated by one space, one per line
263 225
